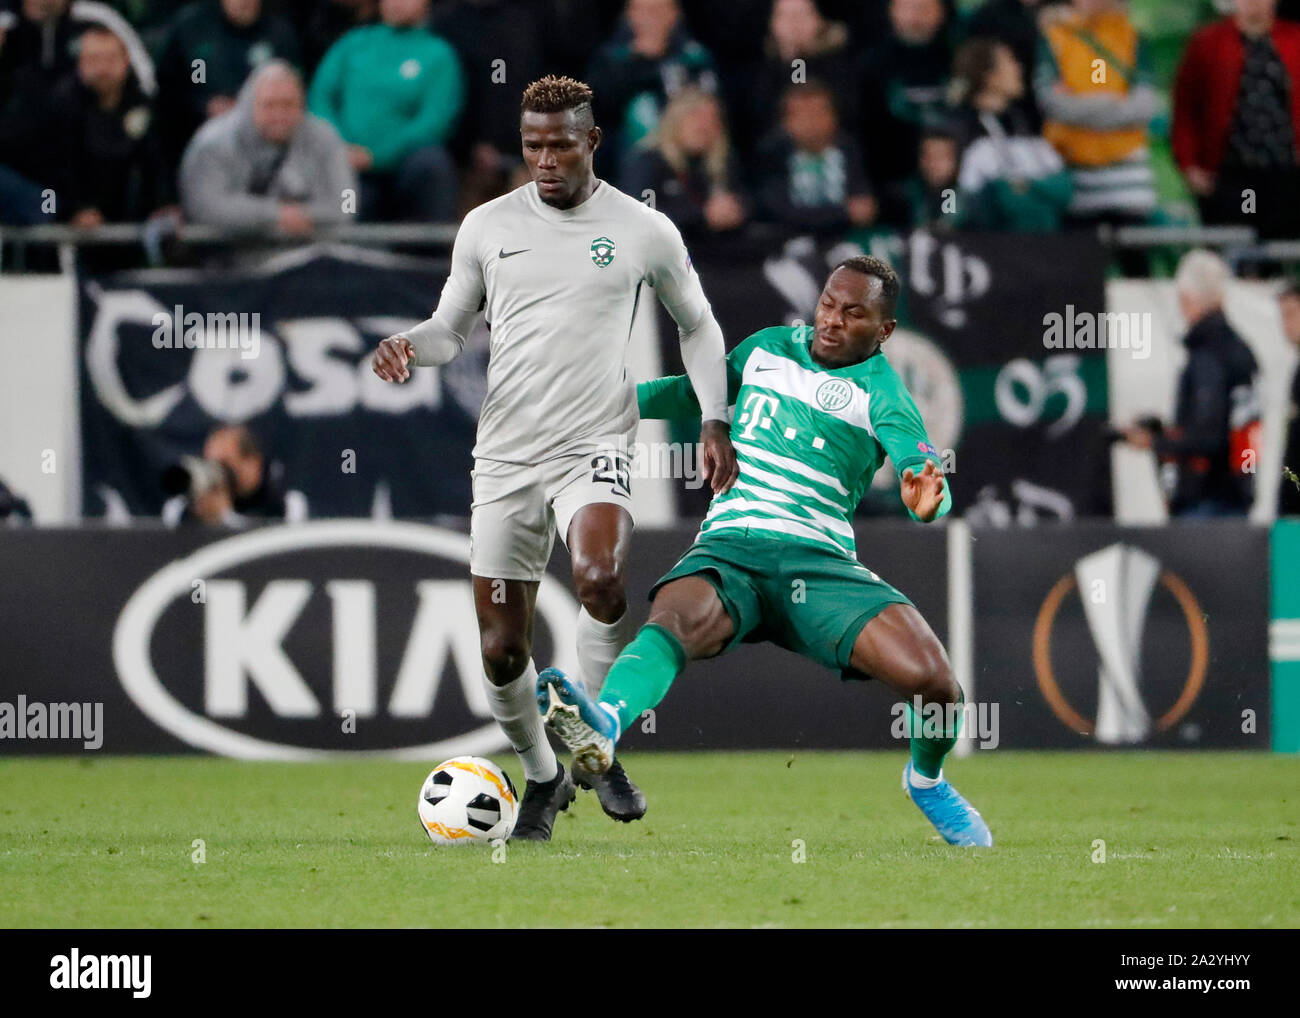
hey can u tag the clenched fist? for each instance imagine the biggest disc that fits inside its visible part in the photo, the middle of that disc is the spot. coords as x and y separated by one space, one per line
391 358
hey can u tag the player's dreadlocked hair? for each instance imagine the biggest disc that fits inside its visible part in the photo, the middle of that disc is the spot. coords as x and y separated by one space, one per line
556 94
869 265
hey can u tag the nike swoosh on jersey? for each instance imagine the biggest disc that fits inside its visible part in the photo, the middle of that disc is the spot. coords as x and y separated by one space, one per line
503 253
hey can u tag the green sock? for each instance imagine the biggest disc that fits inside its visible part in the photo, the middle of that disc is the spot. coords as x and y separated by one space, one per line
933 735
642 674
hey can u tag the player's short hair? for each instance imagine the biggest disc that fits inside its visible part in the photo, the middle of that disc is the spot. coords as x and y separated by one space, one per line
558 94
1291 291
869 265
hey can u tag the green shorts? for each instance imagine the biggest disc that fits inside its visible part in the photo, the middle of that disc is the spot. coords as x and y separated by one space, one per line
790 593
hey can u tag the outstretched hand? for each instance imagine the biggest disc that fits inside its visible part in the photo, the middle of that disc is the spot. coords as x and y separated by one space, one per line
923 492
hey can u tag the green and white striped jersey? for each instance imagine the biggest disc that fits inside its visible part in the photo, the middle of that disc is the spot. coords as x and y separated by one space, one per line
808 439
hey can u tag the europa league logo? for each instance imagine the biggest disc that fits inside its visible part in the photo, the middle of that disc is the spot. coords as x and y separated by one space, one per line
1125 577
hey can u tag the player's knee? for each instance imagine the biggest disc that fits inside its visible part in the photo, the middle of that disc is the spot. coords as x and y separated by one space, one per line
696 631
505 655
932 677
599 586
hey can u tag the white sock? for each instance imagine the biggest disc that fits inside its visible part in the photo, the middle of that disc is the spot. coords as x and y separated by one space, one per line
599 643
514 705
919 780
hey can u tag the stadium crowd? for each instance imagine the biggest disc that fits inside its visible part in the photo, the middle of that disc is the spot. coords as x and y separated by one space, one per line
808 116
820 115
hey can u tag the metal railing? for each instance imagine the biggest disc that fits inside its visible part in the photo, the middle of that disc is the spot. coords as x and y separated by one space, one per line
1238 244
67 239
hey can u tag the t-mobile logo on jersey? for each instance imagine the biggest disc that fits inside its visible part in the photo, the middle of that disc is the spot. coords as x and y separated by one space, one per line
757 413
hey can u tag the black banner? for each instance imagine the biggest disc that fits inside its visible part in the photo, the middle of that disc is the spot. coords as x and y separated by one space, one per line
297 642
1021 423
354 635
167 356
1031 429
1098 635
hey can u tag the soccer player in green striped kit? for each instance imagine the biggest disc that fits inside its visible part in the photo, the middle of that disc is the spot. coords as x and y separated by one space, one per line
816 411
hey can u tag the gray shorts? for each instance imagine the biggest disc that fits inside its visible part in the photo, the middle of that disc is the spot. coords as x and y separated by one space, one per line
518 508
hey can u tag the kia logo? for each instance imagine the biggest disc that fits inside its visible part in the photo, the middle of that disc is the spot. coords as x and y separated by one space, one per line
245 640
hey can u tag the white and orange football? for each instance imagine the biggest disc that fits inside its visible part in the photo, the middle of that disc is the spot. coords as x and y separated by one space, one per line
466 800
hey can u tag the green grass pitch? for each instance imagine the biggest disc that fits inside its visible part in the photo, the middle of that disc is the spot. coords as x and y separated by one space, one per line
1191 840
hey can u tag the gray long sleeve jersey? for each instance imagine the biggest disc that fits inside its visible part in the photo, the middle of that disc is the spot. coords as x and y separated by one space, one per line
559 288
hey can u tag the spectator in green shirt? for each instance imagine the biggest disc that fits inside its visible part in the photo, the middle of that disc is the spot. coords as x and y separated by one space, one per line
394 91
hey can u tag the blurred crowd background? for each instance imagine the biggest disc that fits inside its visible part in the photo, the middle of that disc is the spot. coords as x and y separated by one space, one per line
770 131
829 116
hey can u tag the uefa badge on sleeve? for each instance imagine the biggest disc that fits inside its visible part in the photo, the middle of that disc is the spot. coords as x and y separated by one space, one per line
602 251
